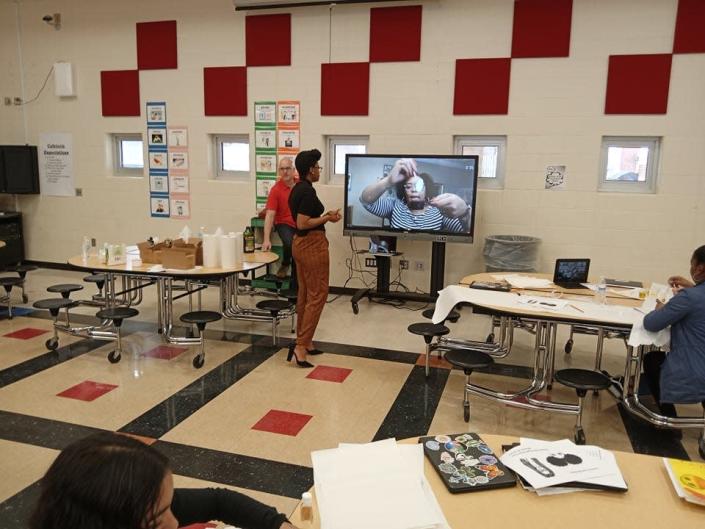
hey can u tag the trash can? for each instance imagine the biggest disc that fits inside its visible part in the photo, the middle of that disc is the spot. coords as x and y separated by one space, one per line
511 253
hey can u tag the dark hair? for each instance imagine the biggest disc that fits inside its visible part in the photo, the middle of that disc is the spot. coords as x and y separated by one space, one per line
699 255
305 160
105 481
428 184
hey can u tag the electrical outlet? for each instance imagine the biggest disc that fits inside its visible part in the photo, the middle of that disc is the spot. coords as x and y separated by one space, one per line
370 262
93 242
79 192
404 264
419 266
7 100
17 101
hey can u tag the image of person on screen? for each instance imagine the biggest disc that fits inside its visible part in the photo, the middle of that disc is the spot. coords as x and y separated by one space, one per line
413 206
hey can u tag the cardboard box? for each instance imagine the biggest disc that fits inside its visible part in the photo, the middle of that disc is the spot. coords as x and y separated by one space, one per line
194 244
150 254
180 258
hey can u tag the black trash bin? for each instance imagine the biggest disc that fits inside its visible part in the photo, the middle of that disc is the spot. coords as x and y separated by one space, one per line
511 253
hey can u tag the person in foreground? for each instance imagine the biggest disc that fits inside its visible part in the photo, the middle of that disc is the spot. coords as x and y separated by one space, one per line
414 207
679 376
112 481
278 216
310 250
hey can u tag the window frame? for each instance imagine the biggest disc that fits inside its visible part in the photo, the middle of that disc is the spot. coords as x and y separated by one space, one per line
652 164
234 176
118 168
498 181
332 177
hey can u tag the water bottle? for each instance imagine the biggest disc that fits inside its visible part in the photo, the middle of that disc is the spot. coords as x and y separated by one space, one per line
602 291
85 248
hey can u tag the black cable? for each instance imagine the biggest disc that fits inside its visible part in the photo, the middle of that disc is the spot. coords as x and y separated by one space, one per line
41 89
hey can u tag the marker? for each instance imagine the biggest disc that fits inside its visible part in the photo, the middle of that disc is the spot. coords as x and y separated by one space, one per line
576 308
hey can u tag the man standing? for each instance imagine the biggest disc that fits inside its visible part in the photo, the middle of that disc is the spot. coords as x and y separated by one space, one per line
279 216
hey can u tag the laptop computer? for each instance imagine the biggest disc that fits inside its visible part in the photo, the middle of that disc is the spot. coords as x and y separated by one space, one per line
570 273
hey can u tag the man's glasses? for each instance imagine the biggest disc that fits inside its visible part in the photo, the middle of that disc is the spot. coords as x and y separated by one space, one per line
286 168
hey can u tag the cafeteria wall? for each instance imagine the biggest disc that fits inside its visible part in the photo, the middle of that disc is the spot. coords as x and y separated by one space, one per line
556 116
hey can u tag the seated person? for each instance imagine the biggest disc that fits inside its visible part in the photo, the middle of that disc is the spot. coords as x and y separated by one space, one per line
414 207
279 216
109 481
679 376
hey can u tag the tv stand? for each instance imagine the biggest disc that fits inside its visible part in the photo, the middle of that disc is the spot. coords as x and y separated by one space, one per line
383 264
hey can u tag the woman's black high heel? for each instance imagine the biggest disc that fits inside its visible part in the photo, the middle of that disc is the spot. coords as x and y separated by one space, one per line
300 363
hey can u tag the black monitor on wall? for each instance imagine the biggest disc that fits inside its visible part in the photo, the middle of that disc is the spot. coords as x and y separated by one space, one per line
19 169
427 197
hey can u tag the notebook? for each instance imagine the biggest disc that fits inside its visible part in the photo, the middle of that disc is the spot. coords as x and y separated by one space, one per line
491 285
465 463
623 284
570 273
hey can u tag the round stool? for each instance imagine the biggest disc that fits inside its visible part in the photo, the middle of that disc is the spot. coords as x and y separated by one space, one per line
428 331
274 306
54 305
116 315
99 280
8 283
200 318
65 289
22 270
467 360
453 316
582 380
291 296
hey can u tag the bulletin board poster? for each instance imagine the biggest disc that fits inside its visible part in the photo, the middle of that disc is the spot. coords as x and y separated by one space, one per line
180 206
157 159
179 171
55 153
277 134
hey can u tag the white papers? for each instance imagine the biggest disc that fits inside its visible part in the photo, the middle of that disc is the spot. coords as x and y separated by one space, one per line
376 486
545 464
519 281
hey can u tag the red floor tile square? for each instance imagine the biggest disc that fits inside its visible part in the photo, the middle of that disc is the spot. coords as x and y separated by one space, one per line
87 390
26 333
435 361
282 422
329 373
165 352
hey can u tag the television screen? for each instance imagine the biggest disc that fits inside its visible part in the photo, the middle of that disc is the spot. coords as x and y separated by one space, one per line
19 172
418 197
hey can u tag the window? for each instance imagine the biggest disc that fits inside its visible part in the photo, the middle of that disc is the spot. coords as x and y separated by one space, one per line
129 155
338 147
491 151
629 164
232 155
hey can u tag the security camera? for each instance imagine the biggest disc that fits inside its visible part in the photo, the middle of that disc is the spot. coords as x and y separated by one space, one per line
53 20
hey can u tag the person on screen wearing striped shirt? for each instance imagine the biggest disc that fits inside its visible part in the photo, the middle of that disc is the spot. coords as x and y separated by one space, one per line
413 207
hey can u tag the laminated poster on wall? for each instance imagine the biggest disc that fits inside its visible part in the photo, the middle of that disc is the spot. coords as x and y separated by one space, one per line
156 113
55 153
159 205
288 113
156 138
180 207
264 185
288 140
178 184
178 137
178 161
158 161
555 177
158 184
266 163
265 113
265 139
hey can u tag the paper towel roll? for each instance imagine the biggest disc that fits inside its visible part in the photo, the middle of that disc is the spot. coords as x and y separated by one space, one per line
228 252
211 251
238 246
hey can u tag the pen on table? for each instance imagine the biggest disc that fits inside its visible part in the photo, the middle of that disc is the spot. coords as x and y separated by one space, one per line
639 310
576 308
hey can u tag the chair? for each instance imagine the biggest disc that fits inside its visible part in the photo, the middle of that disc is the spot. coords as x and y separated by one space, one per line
291 296
453 316
274 306
467 360
200 318
429 331
22 270
582 380
8 283
116 315
65 289
54 305
99 280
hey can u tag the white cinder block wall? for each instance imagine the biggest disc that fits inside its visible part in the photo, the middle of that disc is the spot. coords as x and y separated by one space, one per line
555 117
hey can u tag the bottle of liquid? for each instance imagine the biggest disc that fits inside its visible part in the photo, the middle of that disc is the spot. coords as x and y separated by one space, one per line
85 248
601 293
306 507
248 240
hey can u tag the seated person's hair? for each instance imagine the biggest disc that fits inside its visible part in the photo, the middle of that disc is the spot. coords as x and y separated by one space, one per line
699 255
429 186
105 481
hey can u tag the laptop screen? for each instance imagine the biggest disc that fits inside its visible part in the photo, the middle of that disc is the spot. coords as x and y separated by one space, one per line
571 271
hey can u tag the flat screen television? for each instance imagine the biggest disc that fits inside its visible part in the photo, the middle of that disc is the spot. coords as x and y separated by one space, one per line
427 197
19 169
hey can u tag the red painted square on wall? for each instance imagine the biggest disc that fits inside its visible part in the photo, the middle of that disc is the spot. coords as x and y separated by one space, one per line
638 84
690 27
87 391
268 40
481 86
225 91
282 422
541 28
345 89
120 92
156 45
395 33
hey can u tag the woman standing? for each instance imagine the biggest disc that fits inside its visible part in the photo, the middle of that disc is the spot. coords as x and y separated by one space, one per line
310 250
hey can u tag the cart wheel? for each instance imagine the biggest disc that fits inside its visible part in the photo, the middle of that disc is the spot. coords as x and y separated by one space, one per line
25 299
568 347
114 357
701 446
549 386
490 338
52 344
198 361
355 308
580 436
466 412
